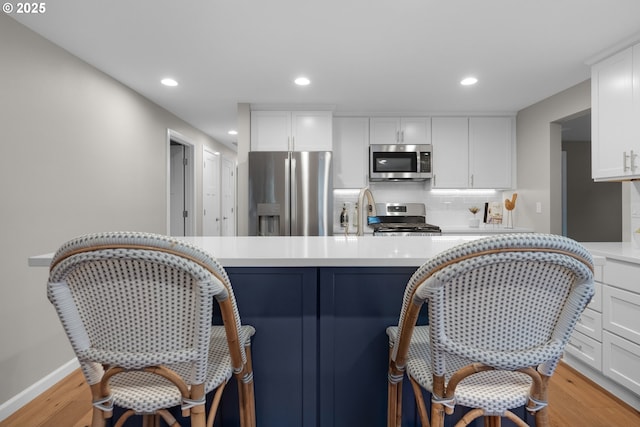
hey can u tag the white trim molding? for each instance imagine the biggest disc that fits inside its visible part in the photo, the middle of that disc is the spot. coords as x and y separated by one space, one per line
18 401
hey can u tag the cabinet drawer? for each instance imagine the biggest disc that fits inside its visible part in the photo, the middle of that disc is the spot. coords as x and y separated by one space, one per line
590 324
623 275
597 271
586 349
621 313
596 301
621 361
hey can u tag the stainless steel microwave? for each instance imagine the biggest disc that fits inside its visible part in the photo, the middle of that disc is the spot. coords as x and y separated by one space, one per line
400 162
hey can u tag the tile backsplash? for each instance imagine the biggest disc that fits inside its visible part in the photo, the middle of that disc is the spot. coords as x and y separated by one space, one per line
444 208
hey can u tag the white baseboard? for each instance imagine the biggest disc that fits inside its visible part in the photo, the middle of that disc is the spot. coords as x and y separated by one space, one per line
33 391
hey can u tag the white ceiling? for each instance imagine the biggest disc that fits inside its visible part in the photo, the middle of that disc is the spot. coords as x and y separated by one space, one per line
362 56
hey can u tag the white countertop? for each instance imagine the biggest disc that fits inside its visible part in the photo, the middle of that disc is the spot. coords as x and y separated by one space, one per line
333 251
347 251
621 251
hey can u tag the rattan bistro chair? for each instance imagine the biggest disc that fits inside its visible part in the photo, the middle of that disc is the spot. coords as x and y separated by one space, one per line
137 309
501 310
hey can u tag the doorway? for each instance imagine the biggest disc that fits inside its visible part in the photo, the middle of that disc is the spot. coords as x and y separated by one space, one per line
180 185
211 223
591 211
228 178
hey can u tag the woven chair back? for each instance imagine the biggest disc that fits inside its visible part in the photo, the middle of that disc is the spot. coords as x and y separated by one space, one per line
509 301
137 299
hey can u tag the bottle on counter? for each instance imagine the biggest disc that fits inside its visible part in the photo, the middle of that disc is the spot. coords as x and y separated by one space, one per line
344 217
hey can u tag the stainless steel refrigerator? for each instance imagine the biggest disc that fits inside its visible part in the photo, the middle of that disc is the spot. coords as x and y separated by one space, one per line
290 193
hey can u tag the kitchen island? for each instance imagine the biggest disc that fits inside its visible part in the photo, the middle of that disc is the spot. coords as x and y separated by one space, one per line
320 306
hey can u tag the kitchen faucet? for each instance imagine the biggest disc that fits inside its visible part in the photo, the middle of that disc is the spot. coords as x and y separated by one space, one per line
371 209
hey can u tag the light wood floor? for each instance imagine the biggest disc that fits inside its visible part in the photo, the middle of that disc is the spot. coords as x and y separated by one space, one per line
575 402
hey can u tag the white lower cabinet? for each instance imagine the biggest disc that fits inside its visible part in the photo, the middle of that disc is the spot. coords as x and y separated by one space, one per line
621 361
586 341
605 345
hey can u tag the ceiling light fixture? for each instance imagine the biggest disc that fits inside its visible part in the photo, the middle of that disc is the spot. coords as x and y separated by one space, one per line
302 81
233 132
468 81
169 82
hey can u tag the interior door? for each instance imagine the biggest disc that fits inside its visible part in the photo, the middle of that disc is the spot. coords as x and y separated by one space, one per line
228 178
176 190
211 223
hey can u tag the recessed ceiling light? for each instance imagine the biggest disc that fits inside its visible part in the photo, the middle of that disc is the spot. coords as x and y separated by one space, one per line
302 81
233 132
169 82
468 81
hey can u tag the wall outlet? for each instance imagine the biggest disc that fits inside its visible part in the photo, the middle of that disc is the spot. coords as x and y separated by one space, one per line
538 207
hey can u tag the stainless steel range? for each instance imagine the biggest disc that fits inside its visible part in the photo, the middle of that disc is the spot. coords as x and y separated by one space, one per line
403 219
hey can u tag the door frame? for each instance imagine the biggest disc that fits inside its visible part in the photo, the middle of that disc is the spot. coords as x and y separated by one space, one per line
189 181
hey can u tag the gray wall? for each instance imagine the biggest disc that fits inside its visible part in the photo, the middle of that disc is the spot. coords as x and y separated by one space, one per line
594 209
79 153
539 158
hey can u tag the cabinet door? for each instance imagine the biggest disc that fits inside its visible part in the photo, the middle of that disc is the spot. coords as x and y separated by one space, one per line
620 313
635 120
449 136
490 148
384 130
281 303
350 148
356 307
415 130
312 130
270 130
612 120
585 349
621 361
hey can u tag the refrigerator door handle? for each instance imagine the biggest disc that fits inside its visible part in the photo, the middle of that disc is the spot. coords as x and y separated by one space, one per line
293 197
287 195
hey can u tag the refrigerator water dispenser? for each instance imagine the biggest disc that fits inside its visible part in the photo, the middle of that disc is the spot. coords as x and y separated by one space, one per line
268 219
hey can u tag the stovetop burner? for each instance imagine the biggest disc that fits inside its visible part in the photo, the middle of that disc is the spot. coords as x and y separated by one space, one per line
403 219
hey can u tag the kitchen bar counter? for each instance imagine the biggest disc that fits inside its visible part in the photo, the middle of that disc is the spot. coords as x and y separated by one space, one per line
320 306
332 251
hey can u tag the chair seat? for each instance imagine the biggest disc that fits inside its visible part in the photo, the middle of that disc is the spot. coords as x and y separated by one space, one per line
493 391
146 393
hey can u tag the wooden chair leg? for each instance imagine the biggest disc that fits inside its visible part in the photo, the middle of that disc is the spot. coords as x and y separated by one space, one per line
98 417
197 414
419 398
437 409
392 402
250 392
492 421
246 394
215 402
542 415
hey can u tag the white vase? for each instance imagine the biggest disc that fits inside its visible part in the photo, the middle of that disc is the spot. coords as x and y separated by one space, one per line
474 223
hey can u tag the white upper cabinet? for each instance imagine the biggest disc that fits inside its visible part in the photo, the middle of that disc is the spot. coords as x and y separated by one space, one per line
450 139
400 130
490 152
615 116
472 152
350 148
291 131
